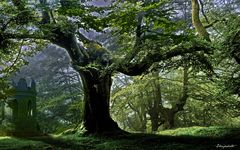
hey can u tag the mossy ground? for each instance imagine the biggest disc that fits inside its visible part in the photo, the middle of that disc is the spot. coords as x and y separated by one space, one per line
193 138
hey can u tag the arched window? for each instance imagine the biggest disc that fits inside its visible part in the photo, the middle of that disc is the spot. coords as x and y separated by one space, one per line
30 111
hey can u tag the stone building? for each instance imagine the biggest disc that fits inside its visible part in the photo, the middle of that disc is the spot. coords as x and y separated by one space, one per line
23 106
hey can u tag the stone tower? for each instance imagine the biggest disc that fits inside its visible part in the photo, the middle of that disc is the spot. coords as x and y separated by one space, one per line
23 107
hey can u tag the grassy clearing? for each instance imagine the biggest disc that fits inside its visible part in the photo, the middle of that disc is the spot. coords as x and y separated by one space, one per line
196 131
194 138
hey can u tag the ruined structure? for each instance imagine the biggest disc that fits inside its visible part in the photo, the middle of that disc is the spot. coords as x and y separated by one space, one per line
23 107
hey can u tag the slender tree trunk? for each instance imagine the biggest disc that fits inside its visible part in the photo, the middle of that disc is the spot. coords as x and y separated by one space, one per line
169 119
97 94
2 112
157 102
169 113
197 22
154 123
143 117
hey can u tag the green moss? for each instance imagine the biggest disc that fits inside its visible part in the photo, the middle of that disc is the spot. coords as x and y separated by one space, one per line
7 143
197 131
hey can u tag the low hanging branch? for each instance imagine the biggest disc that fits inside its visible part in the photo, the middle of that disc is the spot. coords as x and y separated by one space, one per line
138 68
211 24
17 58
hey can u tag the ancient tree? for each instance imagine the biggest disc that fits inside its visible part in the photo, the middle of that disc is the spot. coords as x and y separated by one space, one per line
89 57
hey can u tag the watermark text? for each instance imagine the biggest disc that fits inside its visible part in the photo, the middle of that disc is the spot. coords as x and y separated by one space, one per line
222 146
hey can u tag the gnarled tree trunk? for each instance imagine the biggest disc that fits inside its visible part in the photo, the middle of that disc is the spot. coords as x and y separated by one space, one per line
96 119
97 94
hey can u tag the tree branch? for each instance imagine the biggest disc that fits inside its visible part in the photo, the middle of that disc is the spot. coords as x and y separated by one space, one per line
25 36
17 58
202 10
138 68
138 40
211 24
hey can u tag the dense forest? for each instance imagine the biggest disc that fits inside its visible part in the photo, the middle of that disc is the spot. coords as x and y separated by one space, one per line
119 74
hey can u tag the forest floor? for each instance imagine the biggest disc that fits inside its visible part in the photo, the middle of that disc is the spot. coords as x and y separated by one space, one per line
192 138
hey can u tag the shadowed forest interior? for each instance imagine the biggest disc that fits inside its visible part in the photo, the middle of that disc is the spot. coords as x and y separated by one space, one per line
119 74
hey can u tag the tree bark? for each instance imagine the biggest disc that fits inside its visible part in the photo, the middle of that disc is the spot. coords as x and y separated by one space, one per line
154 110
197 22
97 117
169 118
2 112
96 84
154 122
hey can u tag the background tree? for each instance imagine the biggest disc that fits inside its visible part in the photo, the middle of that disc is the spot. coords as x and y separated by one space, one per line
206 104
12 52
229 40
60 96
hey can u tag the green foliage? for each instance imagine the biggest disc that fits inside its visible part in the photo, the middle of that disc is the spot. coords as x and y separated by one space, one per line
5 129
226 56
138 99
85 16
124 15
5 89
206 105
232 45
13 52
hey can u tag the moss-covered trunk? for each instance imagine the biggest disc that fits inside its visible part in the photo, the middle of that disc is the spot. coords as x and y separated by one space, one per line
197 22
97 117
